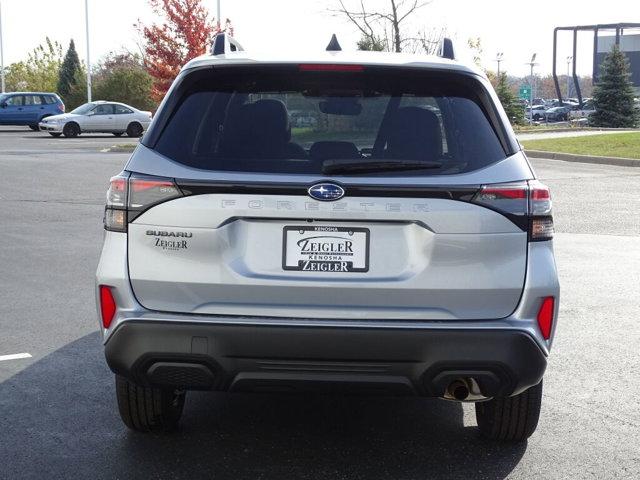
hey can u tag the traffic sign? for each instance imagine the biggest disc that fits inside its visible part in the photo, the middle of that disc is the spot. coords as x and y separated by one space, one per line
525 92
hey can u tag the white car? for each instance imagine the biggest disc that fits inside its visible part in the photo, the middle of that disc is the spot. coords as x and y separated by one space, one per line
108 117
539 112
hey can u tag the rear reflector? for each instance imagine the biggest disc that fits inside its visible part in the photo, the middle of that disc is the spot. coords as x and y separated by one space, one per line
107 305
545 317
329 67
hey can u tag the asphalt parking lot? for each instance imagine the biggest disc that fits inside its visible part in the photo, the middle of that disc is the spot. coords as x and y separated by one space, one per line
58 414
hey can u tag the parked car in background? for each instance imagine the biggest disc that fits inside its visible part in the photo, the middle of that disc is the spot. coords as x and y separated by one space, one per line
28 108
587 109
101 116
558 114
537 112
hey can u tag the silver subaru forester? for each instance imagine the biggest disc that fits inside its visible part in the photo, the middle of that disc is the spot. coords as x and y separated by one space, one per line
348 222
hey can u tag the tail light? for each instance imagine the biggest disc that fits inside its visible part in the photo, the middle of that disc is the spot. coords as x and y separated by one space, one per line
61 107
527 204
129 196
107 305
545 316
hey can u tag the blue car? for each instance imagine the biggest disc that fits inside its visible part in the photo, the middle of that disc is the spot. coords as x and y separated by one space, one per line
28 108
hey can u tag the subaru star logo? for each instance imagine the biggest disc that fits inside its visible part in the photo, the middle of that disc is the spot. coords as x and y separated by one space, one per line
326 191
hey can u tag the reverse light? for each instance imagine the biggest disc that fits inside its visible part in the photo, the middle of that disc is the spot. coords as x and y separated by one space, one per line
545 316
107 305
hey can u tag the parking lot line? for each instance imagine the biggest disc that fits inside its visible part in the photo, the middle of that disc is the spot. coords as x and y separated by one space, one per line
15 356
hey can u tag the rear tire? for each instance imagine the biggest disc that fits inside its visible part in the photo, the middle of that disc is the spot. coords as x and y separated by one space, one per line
148 409
71 130
118 134
134 130
510 419
55 134
35 128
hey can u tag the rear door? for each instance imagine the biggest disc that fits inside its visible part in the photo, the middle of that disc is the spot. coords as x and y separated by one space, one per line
364 213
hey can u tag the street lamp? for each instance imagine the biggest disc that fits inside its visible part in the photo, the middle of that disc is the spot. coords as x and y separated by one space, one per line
86 19
569 59
499 57
2 86
532 64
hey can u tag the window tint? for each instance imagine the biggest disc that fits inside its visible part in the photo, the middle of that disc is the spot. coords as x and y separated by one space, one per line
103 109
16 100
121 110
32 100
50 99
294 121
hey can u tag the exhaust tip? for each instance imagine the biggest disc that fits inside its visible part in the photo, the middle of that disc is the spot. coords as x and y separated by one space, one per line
459 390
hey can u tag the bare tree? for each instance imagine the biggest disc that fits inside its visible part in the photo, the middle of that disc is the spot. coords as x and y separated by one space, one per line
384 28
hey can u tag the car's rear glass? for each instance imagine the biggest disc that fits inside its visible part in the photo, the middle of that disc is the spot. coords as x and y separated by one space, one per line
286 120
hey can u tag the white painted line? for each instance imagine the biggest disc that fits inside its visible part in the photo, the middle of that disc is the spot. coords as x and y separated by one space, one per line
15 356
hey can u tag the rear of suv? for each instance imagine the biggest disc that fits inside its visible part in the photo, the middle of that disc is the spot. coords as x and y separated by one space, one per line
360 222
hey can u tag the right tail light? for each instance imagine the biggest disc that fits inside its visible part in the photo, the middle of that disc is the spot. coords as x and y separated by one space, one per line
527 204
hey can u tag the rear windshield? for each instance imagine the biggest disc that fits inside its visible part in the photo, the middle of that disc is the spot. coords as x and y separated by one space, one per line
302 120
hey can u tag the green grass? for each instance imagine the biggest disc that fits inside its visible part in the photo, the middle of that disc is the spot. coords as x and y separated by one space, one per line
624 145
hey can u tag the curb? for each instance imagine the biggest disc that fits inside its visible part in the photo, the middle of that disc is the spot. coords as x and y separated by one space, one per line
570 157
574 129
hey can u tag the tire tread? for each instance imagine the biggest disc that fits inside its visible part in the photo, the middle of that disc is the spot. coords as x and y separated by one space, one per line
510 419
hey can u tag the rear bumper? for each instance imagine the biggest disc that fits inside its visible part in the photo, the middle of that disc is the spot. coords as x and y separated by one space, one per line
283 358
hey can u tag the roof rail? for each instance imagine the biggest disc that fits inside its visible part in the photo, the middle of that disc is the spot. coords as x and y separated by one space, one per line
223 43
446 49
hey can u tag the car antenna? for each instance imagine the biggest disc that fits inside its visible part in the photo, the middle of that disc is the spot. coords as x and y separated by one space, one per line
334 45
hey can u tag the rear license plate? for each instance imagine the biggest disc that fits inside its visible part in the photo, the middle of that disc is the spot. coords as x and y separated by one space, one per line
325 249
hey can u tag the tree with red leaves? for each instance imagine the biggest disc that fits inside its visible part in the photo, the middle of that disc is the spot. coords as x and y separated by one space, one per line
185 32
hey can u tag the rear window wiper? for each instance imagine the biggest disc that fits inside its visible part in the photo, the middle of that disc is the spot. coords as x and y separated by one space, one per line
373 166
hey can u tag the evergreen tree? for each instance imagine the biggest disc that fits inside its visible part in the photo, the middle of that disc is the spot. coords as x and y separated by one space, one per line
70 71
512 107
371 43
613 94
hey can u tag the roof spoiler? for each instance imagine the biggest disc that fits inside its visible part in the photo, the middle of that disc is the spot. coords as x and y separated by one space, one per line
223 43
446 49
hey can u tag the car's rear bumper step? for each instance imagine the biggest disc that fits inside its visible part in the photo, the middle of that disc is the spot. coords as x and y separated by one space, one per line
276 358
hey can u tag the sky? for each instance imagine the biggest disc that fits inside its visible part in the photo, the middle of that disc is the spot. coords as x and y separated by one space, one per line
516 28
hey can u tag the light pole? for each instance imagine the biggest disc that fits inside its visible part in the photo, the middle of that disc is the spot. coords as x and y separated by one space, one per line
218 13
532 64
569 59
2 86
499 57
86 19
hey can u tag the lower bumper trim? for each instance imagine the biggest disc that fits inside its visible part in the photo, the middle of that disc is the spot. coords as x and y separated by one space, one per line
276 358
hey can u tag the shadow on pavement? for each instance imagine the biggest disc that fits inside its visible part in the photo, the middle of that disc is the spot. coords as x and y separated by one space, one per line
59 420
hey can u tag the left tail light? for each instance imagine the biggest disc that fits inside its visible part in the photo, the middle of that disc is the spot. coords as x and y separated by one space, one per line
130 195
527 204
